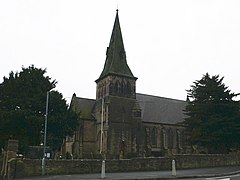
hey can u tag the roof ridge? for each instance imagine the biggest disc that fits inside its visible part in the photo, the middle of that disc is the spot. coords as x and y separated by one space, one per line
85 98
160 97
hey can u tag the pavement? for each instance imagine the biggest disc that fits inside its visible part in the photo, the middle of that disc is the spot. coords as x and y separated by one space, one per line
152 175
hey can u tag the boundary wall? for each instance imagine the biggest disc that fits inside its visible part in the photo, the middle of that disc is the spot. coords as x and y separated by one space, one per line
19 168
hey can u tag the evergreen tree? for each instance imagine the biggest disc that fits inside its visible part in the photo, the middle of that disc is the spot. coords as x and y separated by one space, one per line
212 115
23 106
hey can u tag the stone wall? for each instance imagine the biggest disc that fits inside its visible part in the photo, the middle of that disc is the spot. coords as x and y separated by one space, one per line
26 167
8 155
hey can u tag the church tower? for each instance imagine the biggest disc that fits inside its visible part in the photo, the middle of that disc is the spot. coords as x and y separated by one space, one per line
116 78
115 109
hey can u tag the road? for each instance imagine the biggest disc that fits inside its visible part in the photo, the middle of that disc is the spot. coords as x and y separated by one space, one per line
198 174
230 177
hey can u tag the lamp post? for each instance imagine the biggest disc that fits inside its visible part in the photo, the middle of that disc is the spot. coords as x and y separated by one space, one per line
101 143
45 137
101 135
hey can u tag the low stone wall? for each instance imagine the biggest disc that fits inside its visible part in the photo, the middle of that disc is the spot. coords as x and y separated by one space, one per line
26 167
206 160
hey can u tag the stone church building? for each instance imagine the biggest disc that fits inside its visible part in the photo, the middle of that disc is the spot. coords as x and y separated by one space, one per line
121 123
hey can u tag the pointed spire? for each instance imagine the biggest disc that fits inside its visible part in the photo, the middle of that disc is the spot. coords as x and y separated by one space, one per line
116 62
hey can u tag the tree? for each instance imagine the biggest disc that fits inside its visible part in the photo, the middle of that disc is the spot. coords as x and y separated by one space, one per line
22 109
213 119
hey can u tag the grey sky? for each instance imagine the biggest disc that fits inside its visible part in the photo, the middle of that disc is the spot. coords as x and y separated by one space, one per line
169 43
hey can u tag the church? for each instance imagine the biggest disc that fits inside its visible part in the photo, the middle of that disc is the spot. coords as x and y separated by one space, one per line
121 123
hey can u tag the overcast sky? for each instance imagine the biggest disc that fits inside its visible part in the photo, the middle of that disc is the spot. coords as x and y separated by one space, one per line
169 43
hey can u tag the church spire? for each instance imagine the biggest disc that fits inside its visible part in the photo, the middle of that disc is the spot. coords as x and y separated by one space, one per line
116 63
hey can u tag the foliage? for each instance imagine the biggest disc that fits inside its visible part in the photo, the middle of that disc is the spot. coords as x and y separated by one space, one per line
212 115
23 106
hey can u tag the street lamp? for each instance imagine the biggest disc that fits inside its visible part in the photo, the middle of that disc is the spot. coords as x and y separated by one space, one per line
45 137
101 143
101 137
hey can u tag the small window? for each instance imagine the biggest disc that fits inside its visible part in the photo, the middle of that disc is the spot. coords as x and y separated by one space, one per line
137 114
128 89
154 137
162 139
179 145
170 138
110 89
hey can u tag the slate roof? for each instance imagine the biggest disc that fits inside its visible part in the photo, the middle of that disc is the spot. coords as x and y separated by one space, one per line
85 107
161 110
116 62
154 109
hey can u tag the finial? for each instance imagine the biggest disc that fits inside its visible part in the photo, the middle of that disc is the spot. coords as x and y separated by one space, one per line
117 5
117 10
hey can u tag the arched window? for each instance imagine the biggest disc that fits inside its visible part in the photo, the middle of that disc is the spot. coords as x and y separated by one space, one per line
180 139
100 91
104 90
154 136
128 89
170 138
110 88
119 88
116 87
122 88
161 139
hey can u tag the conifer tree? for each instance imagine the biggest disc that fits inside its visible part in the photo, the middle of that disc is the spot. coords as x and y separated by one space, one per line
23 106
213 119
